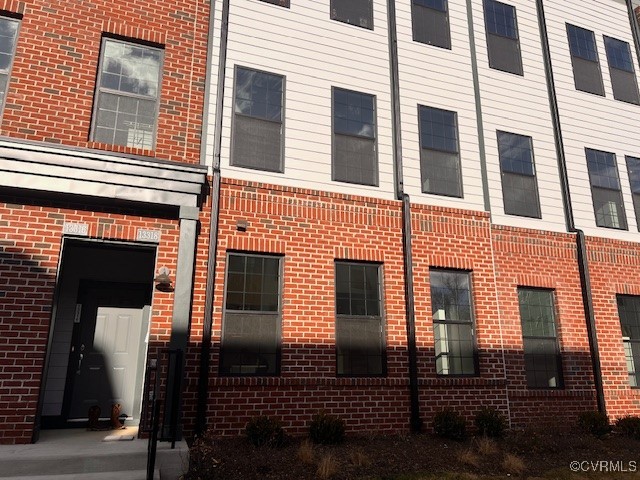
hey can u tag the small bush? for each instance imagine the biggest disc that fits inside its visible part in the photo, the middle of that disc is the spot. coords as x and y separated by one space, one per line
513 464
327 467
450 424
305 452
487 446
359 459
595 423
326 429
629 426
469 458
265 430
490 423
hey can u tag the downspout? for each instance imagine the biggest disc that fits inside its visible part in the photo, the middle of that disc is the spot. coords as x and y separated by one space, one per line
412 352
581 246
634 28
205 348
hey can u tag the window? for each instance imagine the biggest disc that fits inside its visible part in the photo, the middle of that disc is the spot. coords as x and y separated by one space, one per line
430 22
282 3
8 37
251 329
519 188
354 138
605 189
126 104
623 77
584 59
453 322
439 152
503 44
633 167
629 312
353 12
359 329
542 360
257 120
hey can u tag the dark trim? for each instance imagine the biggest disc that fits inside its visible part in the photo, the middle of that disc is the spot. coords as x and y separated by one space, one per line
581 247
634 29
205 349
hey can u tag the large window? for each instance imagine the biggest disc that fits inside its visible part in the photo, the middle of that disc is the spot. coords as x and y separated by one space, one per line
430 22
502 37
519 188
542 360
623 77
354 137
453 325
629 312
252 313
439 152
257 120
605 189
633 168
353 12
584 59
126 103
8 37
359 326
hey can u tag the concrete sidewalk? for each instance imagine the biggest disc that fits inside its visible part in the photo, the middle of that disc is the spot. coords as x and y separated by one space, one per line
80 454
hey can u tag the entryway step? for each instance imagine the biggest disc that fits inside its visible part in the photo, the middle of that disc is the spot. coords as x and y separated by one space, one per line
116 475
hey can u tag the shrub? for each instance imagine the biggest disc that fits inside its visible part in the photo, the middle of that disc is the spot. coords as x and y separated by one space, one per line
629 426
513 464
450 424
264 430
487 446
595 423
305 452
326 429
490 422
327 467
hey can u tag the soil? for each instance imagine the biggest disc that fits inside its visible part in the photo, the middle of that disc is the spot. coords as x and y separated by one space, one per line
524 454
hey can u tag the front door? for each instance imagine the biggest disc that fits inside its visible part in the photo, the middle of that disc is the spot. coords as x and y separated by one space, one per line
108 348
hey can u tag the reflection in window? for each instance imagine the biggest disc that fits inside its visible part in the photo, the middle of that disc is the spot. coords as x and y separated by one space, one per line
519 187
8 37
354 137
584 60
503 44
623 77
127 95
353 12
251 329
453 329
541 356
629 312
257 121
439 153
605 189
359 329
430 22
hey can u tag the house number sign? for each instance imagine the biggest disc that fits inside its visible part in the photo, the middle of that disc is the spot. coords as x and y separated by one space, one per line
145 235
81 229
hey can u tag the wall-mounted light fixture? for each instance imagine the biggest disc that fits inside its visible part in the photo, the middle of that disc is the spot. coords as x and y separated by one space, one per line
163 280
242 225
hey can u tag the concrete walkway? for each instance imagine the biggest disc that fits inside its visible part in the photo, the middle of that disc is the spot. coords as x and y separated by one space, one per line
80 454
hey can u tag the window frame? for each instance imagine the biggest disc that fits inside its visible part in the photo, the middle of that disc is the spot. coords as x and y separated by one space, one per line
471 322
631 72
414 21
601 92
635 195
556 339
504 174
459 155
18 20
341 317
631 342
597 188
232 149
99 89
346 21
277 314
376 164
492 62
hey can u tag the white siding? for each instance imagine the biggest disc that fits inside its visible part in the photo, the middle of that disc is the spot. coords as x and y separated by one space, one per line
440 78
519 104
314 53
588 120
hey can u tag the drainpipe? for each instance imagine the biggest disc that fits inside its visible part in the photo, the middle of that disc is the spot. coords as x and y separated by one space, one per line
581 246
634 28
205 348
415 421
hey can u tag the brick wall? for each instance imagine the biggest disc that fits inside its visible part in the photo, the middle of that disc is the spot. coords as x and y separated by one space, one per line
30 245
53 79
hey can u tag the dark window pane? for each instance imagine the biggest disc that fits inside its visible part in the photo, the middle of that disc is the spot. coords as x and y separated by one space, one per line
354 160
520 195
603 169
605 189
440 173
582 43
500 19
250 344
629 313
633 167
516 153
430 25
438 129
258 94
282 3
435 4
587 76
256 144
618 54
353 12
504 54
624 86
